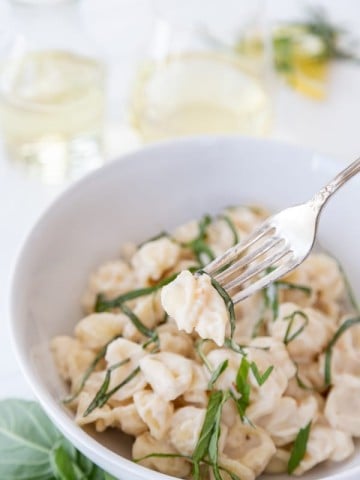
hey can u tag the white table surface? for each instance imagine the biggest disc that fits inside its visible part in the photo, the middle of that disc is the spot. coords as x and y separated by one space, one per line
329 127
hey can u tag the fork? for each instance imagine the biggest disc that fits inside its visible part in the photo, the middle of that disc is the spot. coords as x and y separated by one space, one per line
276 247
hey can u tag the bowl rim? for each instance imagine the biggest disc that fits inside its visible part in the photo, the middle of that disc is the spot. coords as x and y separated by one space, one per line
82 440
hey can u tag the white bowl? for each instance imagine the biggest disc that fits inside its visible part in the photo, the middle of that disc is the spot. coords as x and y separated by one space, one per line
131 199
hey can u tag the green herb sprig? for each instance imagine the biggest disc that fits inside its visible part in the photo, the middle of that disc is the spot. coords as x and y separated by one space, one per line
317 24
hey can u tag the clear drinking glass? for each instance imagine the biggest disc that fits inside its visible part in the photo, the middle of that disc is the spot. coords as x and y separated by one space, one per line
208 71
51 91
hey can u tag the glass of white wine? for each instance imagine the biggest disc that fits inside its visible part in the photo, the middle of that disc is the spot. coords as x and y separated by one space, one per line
208 71
52 92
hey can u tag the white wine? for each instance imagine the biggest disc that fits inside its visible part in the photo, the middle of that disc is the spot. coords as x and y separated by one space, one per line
52 109
199 93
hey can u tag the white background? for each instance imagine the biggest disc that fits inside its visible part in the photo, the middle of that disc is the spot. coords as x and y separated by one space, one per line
120 28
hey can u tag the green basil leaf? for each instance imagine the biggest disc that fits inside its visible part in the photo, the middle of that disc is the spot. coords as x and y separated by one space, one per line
299 448
26 440
33 449
62 465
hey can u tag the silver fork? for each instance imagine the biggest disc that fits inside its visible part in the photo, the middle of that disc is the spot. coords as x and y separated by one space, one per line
276 247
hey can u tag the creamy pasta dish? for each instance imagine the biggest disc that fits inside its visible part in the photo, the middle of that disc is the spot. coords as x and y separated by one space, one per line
209 389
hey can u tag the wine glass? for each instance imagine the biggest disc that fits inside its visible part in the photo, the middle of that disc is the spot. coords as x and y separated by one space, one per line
207 71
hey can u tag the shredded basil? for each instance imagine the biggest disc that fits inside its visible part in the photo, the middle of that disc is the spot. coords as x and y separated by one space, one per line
261 378
229 304
232 227
235 347
300 383
154 238
232 475
243 386
349 290
103 305
299 448
271 293
198 348
103 395
162 455
213 450
100 355
202 447
350 322
198 245
216 373
289 337
294 286
271 299
143 329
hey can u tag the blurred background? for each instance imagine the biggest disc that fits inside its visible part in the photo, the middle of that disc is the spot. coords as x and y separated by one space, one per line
84 81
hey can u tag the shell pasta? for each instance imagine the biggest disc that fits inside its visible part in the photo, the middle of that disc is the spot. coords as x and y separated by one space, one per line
209 390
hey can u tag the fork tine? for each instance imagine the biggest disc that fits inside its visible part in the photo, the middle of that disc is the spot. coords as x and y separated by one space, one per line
256 269
230 255
250 257
264 281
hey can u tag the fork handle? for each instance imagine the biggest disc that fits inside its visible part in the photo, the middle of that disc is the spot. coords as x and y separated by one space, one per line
320 198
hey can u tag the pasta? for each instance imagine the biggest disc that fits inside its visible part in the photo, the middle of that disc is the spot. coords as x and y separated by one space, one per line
207 396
